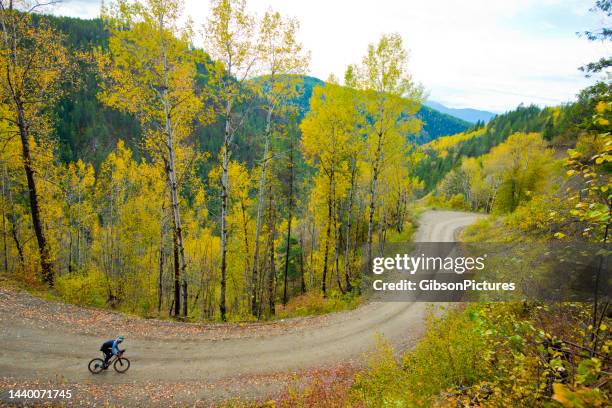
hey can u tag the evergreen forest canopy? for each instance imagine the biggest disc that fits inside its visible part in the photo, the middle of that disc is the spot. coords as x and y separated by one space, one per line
143 174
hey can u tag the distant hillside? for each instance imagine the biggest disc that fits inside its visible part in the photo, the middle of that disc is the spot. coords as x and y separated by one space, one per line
88 130
435 124
467 114
557 124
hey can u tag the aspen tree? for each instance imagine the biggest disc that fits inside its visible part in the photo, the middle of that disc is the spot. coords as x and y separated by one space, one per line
229 41
283 62
326 131
34 66
390 99
149 71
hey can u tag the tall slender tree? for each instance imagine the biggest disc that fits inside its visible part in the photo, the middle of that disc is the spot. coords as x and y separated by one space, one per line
283 62
149 71
390 99
290 206
326 131
35 64
229 41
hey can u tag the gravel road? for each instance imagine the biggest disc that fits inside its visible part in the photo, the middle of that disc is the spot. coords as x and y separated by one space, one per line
49 343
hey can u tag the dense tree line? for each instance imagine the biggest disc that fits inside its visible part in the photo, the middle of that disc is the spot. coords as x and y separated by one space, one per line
509 175
88 130
560 125
205 189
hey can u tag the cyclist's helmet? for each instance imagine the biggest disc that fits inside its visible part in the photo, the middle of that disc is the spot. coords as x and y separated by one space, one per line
119 339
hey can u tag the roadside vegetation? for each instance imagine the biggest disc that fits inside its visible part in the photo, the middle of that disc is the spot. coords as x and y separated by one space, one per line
522 354
539 186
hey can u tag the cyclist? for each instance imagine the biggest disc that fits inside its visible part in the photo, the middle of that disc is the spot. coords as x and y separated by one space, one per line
110 348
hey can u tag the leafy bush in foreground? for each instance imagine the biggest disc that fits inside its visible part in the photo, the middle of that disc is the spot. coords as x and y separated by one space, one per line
493 355
314 303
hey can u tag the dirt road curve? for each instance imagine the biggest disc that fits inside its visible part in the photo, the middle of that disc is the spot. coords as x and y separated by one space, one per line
45 341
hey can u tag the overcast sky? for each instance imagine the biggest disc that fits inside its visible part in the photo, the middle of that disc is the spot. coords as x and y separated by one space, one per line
484 54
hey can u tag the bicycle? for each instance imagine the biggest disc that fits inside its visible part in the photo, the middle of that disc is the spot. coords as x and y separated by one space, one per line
119 363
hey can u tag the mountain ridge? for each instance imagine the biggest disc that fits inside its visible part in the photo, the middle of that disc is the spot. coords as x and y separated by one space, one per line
467 114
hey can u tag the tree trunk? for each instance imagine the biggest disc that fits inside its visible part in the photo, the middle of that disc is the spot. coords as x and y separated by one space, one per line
160 287
311 261
349 211
177 287
176 216
173 186
382 226
246 242
4 232
337 258
373 186
78 231
179 251
16 240
184 292
327 235
225 157
289 220
272 271
303 281
337 245
43 247
260 200
287 250
69 253
110 242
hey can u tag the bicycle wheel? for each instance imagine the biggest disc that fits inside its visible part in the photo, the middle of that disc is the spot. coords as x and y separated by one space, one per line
96 365
121 365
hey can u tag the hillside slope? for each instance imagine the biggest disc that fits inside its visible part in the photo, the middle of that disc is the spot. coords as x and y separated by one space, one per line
88 130
557 124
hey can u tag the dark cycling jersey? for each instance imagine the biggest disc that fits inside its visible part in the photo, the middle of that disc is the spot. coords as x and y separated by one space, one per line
110 346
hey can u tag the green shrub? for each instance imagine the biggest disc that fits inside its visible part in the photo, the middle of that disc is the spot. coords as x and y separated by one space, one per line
453 352
313 303
483 229
82 288
457 202
454 202
384 383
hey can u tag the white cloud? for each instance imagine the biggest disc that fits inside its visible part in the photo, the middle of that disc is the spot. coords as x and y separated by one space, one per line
78 8
488 54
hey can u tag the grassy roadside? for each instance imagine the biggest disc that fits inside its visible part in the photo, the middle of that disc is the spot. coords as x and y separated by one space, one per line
482 354
32 286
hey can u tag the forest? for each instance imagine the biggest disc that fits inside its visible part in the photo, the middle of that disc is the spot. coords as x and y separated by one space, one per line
295 173
143 174
87 130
